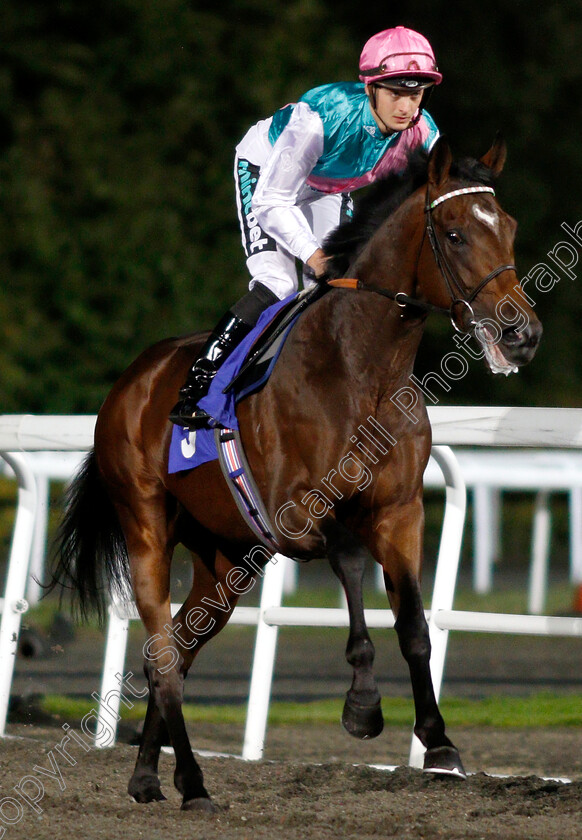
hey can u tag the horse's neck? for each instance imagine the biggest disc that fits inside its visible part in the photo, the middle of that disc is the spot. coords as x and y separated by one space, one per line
390 259
357 342
374 337
387 333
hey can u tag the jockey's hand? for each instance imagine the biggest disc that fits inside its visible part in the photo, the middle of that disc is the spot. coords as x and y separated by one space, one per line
318 262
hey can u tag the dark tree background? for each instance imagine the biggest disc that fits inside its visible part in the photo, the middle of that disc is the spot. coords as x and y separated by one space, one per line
118 121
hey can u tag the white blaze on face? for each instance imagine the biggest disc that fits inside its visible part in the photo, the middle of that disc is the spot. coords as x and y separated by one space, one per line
488 217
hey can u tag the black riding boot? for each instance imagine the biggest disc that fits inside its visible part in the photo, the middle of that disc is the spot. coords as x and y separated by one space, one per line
228 333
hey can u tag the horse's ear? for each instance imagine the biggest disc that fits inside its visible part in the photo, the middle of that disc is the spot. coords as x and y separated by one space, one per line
439 162
496 156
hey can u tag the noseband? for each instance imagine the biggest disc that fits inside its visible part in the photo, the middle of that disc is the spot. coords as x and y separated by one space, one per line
457 290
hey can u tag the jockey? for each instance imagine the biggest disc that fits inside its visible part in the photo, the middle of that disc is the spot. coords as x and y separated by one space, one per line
294 173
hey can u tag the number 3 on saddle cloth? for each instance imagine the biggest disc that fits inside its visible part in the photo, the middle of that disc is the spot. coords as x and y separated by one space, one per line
245 371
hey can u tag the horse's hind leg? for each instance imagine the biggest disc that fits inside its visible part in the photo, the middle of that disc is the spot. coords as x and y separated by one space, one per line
149 550
165 672
362 714
204 613
144 785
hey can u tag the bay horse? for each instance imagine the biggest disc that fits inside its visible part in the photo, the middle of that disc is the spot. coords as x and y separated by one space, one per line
435 239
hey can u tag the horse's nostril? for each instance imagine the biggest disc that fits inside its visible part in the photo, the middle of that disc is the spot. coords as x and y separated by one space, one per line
513 336
528 337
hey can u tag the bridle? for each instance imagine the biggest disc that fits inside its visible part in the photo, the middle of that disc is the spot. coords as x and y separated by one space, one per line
455 287
458 292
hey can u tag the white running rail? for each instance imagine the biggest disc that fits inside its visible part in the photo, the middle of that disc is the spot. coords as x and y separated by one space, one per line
456 426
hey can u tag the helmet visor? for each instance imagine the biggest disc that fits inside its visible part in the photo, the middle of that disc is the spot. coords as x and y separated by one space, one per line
408 84
405 63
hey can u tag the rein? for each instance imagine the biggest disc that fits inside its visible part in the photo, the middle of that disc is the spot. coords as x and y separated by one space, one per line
456 288
399 298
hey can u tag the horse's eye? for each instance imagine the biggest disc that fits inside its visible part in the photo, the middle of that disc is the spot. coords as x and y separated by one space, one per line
454 237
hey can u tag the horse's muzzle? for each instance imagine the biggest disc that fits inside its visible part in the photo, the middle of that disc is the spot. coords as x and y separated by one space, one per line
511 348
519 345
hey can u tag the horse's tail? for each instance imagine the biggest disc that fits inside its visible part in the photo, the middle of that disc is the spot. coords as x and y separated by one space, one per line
90 549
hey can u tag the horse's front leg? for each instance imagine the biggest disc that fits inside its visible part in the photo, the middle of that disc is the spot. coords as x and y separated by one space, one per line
398 545
362 714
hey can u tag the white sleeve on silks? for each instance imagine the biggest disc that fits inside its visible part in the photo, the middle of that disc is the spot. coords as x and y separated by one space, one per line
283 176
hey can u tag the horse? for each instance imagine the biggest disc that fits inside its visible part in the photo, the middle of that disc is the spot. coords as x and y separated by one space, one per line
434 239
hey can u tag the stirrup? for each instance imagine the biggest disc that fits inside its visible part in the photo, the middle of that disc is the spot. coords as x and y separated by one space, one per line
188 415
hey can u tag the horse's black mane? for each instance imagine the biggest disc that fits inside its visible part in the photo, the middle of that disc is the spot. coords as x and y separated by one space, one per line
382 199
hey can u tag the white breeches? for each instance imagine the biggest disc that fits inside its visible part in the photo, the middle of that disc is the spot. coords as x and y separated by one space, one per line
267 261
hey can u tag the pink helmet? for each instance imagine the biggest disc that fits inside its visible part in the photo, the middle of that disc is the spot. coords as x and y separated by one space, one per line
400 54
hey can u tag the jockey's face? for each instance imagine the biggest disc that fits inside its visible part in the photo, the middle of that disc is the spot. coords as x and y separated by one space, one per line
394 110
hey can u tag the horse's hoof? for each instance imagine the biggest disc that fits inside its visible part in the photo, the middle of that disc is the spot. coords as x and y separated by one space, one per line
146 789
144 796
362 721
200 803
444 761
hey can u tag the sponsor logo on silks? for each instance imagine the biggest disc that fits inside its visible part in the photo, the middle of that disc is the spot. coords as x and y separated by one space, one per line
256 240
371 131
